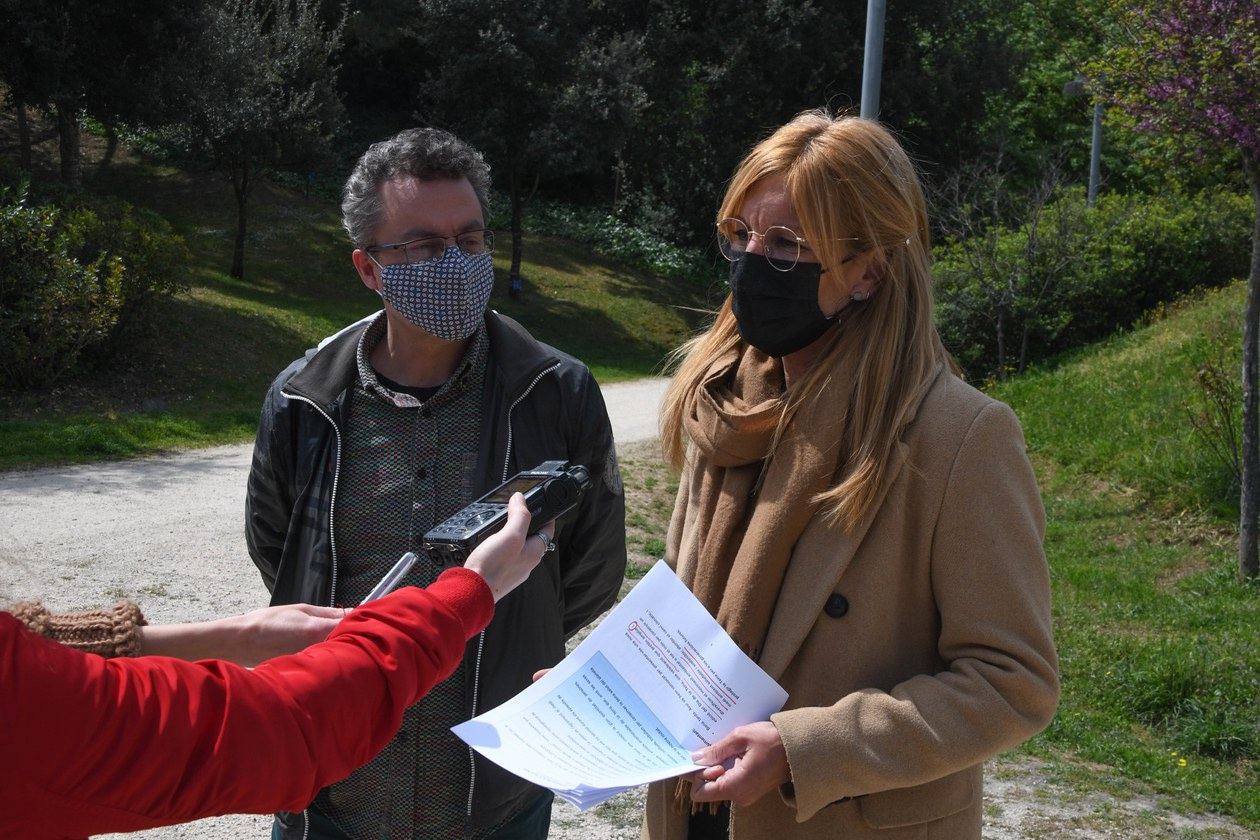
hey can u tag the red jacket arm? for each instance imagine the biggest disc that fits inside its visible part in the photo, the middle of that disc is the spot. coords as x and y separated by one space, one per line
97 746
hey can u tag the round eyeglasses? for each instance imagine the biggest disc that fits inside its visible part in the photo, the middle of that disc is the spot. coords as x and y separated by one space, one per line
428 248
781 245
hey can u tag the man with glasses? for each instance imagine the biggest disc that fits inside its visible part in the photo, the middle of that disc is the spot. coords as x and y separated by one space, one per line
391 426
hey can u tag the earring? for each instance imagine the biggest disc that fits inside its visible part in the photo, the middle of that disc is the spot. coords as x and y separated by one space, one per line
859 296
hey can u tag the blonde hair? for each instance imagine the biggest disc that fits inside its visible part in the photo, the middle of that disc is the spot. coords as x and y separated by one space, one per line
847 177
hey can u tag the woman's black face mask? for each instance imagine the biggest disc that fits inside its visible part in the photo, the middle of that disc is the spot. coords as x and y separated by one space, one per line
777 311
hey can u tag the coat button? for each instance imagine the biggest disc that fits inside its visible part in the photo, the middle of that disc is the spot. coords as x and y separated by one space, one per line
837 606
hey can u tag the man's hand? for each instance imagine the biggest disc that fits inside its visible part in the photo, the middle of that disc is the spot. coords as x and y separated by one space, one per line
742 767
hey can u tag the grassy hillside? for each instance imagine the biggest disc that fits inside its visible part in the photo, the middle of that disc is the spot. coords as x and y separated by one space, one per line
199 378
1158 640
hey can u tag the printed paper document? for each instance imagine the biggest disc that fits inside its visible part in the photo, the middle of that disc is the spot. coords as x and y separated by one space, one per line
655 680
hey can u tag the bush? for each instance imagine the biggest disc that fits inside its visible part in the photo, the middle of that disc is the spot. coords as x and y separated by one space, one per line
612 237
1128 255
51 304
73 277
152 255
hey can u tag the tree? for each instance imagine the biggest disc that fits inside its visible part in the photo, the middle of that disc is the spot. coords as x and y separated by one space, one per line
1189 71
1002 260
259 89
719 82
80 57
544 88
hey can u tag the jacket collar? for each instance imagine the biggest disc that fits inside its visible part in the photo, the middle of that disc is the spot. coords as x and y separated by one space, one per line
330 368
516 356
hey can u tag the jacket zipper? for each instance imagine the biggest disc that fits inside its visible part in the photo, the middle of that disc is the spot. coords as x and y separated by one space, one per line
481 637
332 542
507 456
332 502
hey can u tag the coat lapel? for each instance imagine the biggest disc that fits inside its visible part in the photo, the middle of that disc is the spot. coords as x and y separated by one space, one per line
819 560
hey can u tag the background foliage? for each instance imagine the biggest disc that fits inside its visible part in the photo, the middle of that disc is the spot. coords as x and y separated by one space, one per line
79 278
1063 275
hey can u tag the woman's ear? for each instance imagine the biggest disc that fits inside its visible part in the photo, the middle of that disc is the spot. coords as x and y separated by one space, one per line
874 271
872 278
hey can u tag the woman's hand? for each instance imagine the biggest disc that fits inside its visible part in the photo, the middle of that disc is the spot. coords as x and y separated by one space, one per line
742 767
506 558
246 639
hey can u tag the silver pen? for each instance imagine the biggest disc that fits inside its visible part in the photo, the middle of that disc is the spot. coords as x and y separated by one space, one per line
392 578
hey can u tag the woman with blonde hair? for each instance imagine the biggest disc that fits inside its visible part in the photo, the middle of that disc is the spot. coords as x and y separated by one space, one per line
862 522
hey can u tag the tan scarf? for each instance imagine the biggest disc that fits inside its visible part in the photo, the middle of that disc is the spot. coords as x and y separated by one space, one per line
755 518
751 519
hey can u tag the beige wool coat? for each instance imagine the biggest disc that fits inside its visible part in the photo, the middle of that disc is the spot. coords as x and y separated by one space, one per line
912 649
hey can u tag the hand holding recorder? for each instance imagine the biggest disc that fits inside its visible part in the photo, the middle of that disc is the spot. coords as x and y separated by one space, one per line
494 559
549 490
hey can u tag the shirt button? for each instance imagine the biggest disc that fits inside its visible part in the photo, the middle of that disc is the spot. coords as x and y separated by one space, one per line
837 605
421 473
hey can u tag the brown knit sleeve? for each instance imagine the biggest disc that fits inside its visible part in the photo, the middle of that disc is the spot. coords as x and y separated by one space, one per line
108 632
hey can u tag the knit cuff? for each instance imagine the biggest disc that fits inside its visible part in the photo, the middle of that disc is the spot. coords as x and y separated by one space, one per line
108 632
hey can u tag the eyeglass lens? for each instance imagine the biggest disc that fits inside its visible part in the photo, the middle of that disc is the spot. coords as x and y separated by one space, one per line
471 242
781 245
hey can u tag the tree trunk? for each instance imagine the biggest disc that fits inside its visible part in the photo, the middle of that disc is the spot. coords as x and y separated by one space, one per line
24 134
111 146
1250 500
618 168
515 284
240 186
1001 344
1022 365
68 141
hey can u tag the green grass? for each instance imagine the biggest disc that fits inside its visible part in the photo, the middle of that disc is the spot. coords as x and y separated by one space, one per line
1159 641
650 487
199 377
1120 409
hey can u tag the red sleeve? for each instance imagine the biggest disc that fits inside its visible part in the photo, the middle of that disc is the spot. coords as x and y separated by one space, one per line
96 745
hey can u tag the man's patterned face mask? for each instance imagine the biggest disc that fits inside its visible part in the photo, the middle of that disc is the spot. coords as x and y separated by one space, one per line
446 298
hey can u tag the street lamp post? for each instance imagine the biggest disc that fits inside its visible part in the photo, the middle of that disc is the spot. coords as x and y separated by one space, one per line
873 58
1077 87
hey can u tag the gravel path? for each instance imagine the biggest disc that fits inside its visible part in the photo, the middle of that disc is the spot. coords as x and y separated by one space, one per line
167 532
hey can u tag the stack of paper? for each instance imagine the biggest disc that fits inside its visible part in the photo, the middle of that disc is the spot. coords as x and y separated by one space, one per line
655 680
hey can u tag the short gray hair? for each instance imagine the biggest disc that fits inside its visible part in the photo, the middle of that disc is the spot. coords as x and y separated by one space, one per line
428 154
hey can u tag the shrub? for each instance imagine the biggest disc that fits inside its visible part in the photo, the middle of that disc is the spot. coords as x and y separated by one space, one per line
613 237
1128 255
52 305
152 255
82 274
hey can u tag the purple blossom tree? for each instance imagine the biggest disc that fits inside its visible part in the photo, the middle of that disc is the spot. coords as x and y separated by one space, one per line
1189 72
